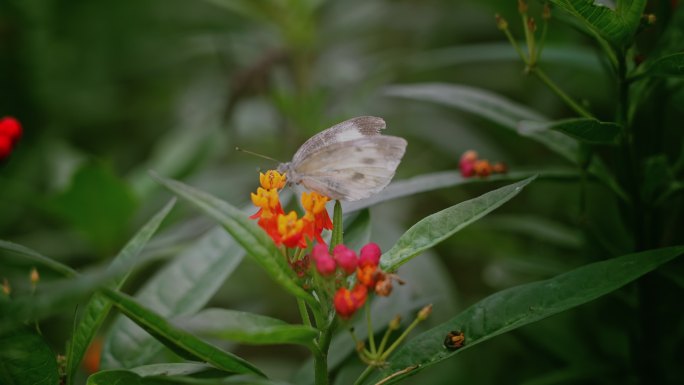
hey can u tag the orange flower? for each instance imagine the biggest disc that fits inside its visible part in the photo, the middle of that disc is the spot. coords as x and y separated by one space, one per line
272 180
290 231
348 301
367 275
316 217
269 210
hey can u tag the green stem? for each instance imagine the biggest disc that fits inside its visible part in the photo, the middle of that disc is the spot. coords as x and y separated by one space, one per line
567 99
515 45
364 375
399 340
529 39
384 340
303 312
321 355
371 337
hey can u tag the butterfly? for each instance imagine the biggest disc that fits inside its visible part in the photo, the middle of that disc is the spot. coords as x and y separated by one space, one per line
349 161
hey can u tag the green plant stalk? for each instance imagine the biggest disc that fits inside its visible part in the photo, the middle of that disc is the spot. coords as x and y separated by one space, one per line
399 340
529 40
384 340
362 377
303 312
369 325
515 45
542 39
567 99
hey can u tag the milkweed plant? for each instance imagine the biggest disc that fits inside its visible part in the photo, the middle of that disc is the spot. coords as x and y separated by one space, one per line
321 254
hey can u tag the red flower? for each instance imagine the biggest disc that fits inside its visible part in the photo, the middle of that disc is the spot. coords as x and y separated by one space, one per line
467 163
5 147
348 301
10 127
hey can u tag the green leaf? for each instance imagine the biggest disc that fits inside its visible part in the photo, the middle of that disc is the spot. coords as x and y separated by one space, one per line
38 258
132 377
437 227
616 26
98 307
183 286
26 359
137 376
521 305
246 232
444 179
589 131
246 328
99 205
176 339
667 66
471 99
509 115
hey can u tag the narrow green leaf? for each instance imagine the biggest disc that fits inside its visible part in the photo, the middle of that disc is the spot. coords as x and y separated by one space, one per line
98 307
667 66
131 377
38 258
26 359
444 179
246 328
590 131
471 99
508 114
176 339
137 376
183 286
246 232
521 305
441 225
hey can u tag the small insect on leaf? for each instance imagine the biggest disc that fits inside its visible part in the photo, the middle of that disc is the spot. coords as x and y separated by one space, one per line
454 340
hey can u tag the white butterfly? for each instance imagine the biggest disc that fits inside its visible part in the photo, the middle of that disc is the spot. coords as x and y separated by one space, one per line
349 161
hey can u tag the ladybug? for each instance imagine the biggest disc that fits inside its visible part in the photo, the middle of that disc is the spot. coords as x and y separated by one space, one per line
454 340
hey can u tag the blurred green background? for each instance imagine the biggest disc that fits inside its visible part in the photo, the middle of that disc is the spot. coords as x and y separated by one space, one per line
109 90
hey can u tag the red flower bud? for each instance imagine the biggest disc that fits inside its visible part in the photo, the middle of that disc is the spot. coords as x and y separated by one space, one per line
345 258
10 127
5 147
325 264
370 254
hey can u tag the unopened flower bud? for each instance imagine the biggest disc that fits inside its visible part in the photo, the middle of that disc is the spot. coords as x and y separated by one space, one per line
395 323
499 168
501 23
424 313
482 168
546 12
531 24
34 276
6 289
650 18
522 6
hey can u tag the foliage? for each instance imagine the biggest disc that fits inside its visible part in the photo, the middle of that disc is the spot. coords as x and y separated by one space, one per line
566 257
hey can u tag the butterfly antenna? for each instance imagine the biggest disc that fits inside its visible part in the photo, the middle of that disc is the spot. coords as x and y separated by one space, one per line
256 154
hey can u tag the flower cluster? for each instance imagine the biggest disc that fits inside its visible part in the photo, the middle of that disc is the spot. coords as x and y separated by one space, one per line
470 165
345 262
10 132
323 269
289 229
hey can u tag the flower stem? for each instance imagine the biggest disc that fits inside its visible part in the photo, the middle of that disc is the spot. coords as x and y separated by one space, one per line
303 312
364 375
371 338
399 340
567 99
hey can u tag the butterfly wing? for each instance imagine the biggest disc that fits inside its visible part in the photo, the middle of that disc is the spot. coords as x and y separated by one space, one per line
351 170
355 128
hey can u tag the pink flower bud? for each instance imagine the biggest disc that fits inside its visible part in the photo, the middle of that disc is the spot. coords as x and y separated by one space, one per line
370 254
325 264
345 258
